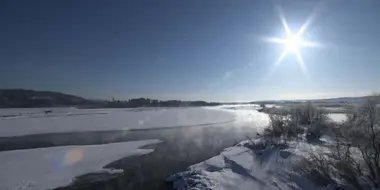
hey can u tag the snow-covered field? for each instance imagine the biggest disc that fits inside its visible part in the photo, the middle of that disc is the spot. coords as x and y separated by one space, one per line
44 168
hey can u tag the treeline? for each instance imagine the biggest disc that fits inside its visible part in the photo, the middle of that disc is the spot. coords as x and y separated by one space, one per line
146 102
20 98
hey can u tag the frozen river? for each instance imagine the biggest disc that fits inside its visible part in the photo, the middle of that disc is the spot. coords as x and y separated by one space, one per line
31 138
187 136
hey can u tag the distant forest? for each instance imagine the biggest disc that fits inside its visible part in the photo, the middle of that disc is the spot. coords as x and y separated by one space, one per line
20 98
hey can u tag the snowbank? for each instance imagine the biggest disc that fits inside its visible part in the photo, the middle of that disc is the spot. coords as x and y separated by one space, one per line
241 168
45 168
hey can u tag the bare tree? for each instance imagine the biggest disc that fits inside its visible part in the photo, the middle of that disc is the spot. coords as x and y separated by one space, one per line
362 130
354 160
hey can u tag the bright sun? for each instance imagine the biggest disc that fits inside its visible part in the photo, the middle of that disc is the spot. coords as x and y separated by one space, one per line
293 42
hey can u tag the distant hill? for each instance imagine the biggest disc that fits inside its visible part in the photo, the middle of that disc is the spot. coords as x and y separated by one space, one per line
341 100
30 98
327 101
20 98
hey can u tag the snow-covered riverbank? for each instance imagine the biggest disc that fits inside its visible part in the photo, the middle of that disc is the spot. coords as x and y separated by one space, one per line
243 168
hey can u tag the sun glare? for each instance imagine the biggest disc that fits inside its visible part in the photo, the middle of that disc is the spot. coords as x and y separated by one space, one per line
293 43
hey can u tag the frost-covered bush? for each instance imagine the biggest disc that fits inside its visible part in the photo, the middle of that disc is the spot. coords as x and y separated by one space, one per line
354 161
339 167
307 114
317 167
312 118
282 127
294 121
317 129
362 130
327 168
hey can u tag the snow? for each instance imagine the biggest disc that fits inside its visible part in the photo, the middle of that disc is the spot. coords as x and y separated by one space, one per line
337 117
34 121
45 168
57 166
241 168
245 115
240 106
334 109
247 106
235 168
17 122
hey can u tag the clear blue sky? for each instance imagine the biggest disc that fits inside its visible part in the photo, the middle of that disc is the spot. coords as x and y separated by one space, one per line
189 50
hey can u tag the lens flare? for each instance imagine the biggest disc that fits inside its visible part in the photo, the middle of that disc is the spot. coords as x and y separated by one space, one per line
73 156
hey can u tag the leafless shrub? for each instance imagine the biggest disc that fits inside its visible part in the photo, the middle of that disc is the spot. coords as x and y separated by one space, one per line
349 168
313 118
290 123
360 133
317 129
362 129
318 168
307 114
337 167
354 161
282 128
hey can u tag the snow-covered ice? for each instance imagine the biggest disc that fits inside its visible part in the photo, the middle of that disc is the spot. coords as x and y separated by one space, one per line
245 115
73 120
35 121
337 117
44 168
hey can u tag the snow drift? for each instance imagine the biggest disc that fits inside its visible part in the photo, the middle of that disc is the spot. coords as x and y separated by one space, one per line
243 168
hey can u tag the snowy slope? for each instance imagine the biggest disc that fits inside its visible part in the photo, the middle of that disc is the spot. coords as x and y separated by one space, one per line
240 168
52 167
109 119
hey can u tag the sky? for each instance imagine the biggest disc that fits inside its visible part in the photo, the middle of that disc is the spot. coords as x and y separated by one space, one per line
214 50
